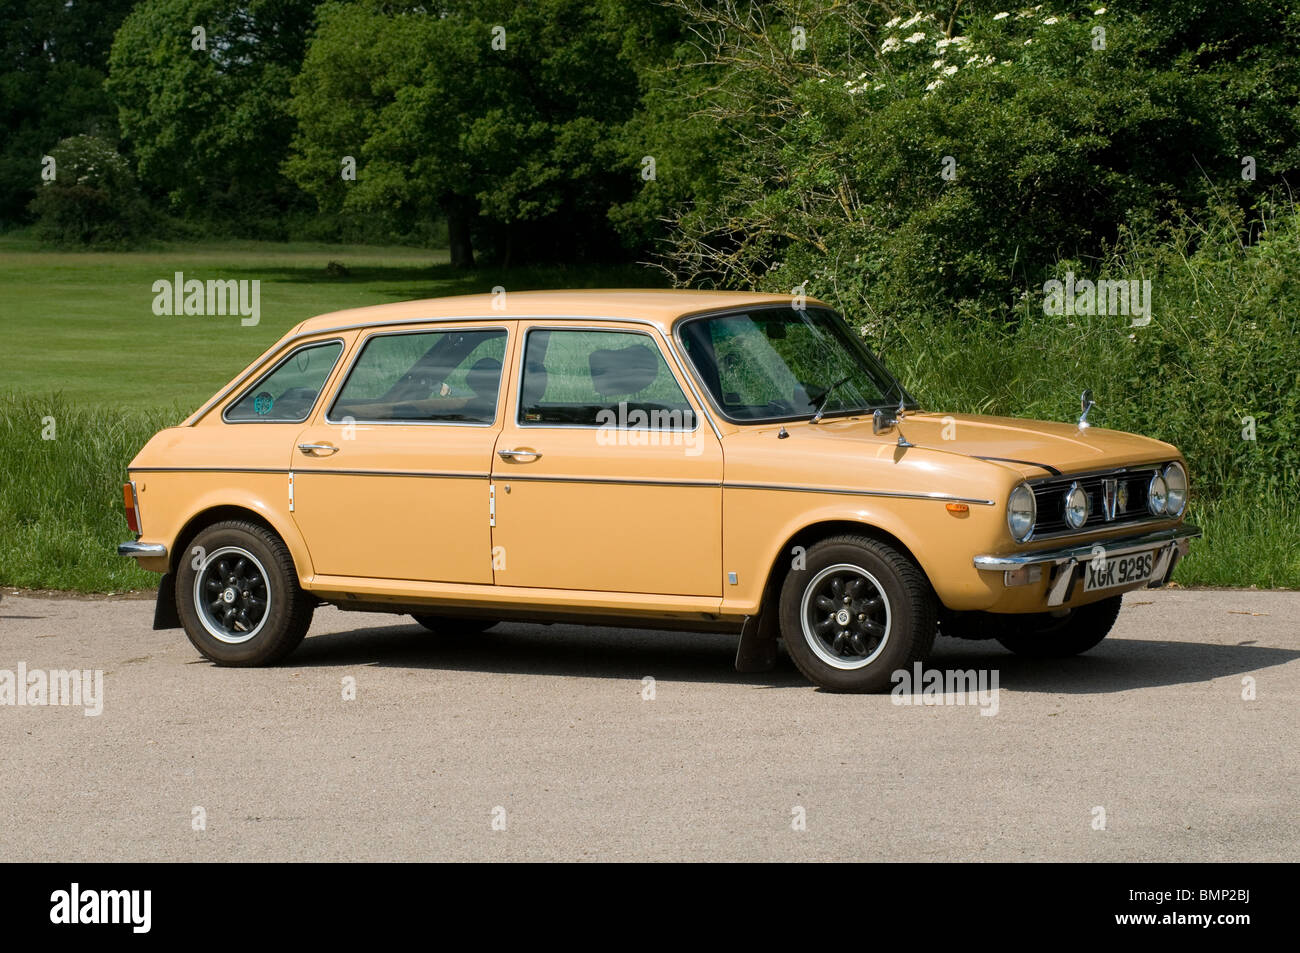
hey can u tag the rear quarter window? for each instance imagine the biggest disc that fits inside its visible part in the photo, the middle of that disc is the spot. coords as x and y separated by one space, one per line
288 392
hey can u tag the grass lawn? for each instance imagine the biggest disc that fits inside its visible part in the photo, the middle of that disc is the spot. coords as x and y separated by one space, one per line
82 324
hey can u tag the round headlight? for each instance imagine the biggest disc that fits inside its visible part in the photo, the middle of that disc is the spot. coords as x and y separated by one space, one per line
1175 478
1157 495
1076 506
1022 510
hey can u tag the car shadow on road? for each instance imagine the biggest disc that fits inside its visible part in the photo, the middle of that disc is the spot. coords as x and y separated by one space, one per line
1117 665
558 650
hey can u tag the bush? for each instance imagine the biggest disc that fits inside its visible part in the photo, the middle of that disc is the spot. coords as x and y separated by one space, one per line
93 199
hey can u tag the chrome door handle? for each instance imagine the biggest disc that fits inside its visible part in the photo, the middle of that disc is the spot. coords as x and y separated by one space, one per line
515 454
325 448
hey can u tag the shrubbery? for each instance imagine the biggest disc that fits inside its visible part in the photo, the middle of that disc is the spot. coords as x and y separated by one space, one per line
92 200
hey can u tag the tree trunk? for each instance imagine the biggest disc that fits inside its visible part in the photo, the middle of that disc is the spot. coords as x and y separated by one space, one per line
458 234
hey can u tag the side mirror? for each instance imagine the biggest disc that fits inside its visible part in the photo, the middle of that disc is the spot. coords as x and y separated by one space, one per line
1086 403
883 420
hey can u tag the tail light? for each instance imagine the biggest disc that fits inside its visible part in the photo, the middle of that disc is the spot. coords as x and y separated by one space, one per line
132 507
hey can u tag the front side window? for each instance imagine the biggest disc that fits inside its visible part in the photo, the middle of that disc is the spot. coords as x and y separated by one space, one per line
288 393
783 363
599 378
424 377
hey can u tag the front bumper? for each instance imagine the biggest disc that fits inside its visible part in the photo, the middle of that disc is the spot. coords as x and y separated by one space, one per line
1063 564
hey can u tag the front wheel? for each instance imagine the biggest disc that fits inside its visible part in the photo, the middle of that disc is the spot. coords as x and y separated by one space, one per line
1041 636
238 596
855 613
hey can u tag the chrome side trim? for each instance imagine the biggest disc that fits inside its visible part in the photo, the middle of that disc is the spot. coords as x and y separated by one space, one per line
895 494
141 550
209 470
1120 546
511 477
430 474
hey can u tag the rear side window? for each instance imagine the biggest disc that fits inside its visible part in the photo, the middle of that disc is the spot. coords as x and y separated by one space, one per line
288 392
594 378
424 377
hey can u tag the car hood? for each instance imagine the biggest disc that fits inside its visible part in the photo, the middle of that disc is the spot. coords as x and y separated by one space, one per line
1034 447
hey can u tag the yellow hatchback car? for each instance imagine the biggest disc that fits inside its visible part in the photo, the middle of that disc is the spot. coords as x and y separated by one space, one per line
708 461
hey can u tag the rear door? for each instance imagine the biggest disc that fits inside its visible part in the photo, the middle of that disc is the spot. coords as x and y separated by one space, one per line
391 479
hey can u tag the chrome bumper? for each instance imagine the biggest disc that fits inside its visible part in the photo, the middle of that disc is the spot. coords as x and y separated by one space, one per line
141 550
1173 544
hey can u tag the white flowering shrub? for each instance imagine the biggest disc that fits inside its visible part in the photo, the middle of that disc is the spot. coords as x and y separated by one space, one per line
92 198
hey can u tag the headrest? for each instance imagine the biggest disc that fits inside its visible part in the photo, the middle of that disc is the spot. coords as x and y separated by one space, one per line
625 371
484 376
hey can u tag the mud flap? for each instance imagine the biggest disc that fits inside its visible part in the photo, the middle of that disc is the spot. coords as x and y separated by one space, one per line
757 649
164 610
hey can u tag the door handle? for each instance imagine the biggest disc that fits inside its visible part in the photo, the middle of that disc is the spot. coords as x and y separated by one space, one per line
514 455
313 448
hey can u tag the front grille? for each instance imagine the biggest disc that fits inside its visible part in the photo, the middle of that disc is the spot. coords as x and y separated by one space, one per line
1050 497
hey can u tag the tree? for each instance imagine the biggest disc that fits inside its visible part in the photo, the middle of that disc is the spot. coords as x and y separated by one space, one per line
201 88
52 64
943 161
500 117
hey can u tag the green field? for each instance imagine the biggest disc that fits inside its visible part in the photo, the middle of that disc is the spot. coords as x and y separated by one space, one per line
84 349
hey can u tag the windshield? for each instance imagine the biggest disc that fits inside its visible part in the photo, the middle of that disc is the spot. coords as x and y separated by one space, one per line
781 363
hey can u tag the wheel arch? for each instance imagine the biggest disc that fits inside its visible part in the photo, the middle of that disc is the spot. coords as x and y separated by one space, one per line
225 512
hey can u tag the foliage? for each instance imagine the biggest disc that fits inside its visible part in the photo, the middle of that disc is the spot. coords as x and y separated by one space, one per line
513 143
204 113
92 200
52 65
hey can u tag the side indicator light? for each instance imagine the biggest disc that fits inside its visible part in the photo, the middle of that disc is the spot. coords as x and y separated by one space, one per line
957 507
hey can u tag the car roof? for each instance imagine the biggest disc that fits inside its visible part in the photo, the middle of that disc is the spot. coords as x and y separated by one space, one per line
660 306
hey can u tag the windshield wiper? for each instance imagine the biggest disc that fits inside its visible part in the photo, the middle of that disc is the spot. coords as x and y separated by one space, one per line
819 401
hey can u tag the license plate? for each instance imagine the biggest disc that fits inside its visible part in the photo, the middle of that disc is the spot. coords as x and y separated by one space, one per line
1117 571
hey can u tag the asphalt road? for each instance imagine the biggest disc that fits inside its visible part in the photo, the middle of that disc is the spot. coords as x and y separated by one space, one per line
1142 750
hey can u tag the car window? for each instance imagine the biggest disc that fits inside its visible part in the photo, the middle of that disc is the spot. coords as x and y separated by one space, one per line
782 363
425 377
599 378
288 393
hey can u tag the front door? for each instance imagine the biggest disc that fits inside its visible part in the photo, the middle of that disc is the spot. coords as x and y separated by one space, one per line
391 480
606 477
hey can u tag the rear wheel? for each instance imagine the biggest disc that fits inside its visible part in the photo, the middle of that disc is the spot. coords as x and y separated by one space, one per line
447 625
238 596
857 612
1042 636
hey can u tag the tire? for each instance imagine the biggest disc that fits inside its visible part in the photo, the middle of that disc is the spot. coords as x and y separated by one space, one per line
448 625
256 613
889 621
1041 636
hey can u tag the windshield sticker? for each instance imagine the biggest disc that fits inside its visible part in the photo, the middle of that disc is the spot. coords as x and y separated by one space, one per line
262 403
